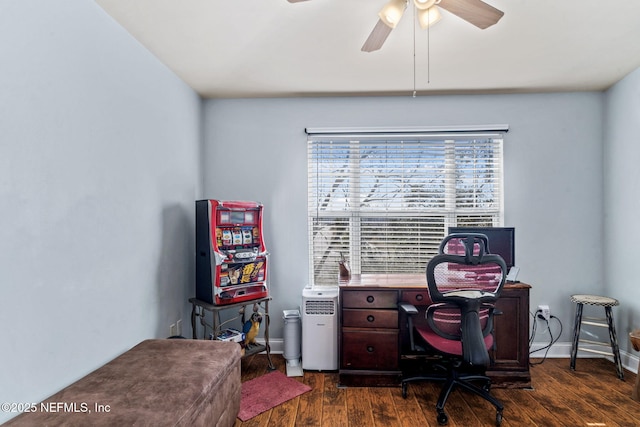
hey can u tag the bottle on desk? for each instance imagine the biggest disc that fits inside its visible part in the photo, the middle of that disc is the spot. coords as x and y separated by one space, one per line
343 265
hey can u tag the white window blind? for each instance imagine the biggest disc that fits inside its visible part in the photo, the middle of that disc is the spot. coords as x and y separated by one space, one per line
385 202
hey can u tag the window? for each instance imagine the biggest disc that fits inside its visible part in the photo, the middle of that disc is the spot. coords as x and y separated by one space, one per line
385 202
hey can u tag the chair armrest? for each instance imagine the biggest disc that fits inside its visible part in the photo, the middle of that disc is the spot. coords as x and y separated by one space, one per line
431 311
488 329
410 309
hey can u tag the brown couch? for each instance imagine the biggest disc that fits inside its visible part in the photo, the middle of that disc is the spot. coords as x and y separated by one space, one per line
157 383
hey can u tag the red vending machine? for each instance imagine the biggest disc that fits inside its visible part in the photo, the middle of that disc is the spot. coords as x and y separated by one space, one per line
231 258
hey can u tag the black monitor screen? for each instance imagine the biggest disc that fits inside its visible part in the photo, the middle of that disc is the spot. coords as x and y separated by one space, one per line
501 240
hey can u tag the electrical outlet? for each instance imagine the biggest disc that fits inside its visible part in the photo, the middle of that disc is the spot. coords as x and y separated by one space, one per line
544 312
173 330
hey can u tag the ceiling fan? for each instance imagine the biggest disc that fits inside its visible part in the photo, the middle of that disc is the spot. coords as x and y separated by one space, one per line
476 12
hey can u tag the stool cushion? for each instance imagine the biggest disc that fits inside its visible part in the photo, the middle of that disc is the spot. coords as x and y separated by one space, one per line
594 300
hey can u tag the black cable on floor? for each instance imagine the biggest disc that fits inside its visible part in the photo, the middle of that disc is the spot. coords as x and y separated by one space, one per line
551 342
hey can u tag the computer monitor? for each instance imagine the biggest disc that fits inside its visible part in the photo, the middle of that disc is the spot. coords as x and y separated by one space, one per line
501 240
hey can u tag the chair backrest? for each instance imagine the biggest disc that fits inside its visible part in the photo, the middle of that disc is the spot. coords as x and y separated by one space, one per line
464 263
464 281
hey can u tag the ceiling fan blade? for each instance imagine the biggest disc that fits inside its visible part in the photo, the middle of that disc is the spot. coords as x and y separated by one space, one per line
476 12
377 37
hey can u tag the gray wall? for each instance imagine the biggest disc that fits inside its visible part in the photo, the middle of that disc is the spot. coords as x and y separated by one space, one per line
622 202
100 162
256 149
99 155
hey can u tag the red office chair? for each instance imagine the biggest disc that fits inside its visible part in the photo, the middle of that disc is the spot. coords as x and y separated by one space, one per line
464 281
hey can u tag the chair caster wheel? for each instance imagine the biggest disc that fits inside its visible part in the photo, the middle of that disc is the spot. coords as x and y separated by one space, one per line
443 419
404 390
498 419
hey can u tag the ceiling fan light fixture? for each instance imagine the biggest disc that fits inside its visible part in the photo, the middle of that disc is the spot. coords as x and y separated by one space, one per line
424 4
428 17
392 12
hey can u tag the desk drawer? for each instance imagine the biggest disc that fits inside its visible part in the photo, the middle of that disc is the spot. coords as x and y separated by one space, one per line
369 299
362 318
420 297
362 349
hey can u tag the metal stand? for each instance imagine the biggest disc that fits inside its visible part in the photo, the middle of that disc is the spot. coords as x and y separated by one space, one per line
198 309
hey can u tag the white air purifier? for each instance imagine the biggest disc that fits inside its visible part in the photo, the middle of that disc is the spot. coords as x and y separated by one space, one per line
320 328
291 351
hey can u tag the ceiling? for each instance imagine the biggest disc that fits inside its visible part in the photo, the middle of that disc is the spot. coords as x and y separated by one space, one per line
272 48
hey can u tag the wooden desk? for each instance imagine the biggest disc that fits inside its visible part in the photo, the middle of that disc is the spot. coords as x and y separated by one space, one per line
374 340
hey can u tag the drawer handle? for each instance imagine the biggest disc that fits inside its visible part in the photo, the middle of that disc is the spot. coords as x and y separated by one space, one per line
370 298
370 349
370 318
419 297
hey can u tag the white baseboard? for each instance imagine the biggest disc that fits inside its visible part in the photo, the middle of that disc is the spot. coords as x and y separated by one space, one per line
563 350
557 351
277 344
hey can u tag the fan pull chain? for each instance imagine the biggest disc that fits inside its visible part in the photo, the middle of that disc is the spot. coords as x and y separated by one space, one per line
429 48
414 51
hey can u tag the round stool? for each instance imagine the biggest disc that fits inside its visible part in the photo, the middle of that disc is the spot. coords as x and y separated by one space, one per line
607 303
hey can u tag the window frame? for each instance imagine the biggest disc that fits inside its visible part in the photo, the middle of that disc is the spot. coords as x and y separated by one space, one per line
355 215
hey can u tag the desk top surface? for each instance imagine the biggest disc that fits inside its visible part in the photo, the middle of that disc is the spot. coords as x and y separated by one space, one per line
400 280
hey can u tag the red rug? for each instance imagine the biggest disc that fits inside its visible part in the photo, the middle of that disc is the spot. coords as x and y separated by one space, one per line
265 392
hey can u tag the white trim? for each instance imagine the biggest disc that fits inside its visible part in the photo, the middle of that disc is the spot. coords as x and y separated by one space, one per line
562 350
406 130
277 345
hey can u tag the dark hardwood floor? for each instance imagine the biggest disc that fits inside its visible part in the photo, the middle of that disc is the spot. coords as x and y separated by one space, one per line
592 396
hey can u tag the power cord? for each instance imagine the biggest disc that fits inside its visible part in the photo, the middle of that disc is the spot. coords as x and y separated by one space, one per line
552 341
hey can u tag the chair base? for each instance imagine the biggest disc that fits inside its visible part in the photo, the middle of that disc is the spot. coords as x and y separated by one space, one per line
453 379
